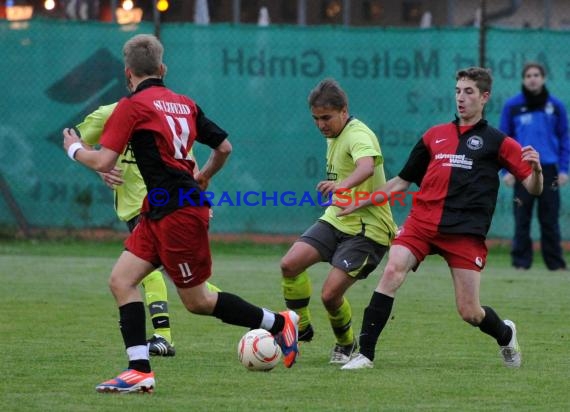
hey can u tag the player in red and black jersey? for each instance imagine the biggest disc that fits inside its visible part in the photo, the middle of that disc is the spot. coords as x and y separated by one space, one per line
456 167
161 126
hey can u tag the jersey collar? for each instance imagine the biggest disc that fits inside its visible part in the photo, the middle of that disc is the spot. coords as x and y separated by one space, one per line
350 119
481 123
145 84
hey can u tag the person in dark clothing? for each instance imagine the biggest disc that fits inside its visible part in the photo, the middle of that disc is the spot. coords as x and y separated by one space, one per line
535 117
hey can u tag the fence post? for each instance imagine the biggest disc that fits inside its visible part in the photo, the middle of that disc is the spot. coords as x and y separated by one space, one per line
156 19
301 12
236 11
346 5
483 34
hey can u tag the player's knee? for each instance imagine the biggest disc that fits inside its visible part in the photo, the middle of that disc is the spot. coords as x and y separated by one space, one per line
288 267
392 271
331 300
116 284
393 277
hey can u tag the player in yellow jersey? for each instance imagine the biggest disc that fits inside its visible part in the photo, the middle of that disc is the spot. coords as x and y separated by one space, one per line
354 245
129 191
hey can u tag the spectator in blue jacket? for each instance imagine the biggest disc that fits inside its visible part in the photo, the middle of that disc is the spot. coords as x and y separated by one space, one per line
535 117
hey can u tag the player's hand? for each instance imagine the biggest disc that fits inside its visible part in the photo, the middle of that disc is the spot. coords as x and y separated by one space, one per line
509 180
326 187
202 181
69 137
562 179
346 210
112 178
531 156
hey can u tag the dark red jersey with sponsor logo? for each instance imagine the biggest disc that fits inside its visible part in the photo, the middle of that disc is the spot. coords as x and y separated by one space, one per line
457 174
160 127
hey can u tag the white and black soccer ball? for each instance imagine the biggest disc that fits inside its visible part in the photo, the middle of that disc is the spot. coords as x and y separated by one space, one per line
258 351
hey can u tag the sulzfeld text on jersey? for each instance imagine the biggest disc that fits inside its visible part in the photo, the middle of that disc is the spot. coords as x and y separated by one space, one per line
170 107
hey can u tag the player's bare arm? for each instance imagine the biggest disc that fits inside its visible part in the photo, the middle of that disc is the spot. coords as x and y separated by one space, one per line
364 169
534 182
112 178
396 184
215 162
102 160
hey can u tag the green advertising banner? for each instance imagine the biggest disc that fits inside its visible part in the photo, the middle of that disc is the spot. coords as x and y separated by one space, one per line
254 83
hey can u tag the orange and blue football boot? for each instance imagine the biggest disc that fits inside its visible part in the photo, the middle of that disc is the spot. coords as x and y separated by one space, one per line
128 381
287 338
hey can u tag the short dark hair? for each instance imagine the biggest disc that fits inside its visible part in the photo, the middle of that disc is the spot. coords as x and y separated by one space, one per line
328 93
481 76
533 65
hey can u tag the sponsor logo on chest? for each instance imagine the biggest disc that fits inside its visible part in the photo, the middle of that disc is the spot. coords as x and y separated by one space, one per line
461 161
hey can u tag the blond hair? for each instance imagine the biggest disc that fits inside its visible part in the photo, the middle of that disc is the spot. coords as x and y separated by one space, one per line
143 55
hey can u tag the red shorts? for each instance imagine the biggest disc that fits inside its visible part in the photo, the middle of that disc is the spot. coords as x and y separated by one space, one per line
179 242
459 251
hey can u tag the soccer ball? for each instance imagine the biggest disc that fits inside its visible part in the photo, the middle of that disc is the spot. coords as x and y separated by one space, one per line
258 351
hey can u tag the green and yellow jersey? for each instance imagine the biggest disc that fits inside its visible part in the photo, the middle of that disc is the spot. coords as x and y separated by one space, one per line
354 142
130 195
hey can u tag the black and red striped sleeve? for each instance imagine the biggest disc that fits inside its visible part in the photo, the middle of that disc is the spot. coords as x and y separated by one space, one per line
510 153
416 166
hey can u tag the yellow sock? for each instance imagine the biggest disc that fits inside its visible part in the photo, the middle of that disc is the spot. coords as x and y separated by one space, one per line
156 298
165 333
297 293
212 288
341 323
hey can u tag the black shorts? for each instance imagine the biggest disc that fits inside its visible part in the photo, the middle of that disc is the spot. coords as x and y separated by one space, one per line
356 255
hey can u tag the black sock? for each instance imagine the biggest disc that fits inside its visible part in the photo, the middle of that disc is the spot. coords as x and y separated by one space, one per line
141 365
234 310
493 325
133 329
132 323
376 316
278 325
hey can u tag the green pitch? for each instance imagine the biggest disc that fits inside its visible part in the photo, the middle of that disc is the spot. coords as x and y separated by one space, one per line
60 338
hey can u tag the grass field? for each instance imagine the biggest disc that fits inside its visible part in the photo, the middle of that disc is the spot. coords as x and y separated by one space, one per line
60 338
